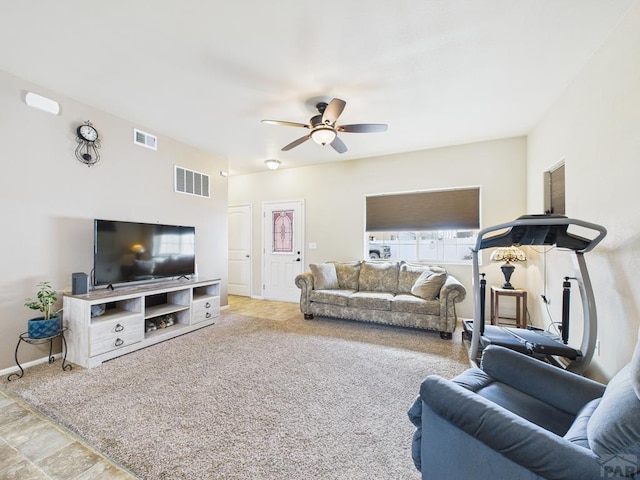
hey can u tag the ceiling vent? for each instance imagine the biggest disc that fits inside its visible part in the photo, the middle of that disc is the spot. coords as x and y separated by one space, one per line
191 183
145 139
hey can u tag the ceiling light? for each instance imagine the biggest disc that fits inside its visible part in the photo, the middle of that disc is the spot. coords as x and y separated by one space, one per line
323 135
272 163
42 103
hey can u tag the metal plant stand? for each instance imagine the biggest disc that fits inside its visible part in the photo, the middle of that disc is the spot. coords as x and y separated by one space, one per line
24 337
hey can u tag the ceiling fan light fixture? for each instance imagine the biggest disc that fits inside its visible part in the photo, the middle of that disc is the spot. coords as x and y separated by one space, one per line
323 135
272 163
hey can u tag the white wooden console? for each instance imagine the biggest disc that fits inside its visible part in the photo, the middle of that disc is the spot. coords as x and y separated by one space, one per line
92 340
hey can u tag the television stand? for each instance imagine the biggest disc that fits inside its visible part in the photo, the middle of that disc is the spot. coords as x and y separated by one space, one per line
91 340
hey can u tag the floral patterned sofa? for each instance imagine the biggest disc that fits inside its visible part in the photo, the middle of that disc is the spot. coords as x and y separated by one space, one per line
394 293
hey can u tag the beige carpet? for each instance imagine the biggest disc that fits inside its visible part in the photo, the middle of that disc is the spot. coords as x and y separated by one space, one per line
253 398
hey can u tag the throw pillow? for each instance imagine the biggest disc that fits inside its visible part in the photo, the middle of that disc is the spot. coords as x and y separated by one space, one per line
324 276
409 273
428 284
348 274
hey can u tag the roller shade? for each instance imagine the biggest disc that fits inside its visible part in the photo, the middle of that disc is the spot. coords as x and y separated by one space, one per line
434 210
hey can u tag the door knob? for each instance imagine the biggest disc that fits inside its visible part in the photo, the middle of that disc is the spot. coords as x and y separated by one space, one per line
247 255
298 259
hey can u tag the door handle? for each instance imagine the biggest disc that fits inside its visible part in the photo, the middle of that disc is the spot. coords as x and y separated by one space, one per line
297 259
247 255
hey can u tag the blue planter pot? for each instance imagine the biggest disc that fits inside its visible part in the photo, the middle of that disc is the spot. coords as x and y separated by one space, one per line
41 328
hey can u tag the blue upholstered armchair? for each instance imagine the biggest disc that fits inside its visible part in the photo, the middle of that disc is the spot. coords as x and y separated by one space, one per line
519 418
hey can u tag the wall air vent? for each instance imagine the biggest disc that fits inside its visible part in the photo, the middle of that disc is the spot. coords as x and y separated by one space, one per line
190 182
145 139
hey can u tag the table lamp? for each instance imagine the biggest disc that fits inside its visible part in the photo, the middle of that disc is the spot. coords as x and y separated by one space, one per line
508 255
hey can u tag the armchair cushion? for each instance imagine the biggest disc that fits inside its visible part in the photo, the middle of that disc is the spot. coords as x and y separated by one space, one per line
614 427
559 388
578 432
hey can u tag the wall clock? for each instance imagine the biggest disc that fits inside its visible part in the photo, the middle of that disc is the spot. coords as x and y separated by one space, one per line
88 147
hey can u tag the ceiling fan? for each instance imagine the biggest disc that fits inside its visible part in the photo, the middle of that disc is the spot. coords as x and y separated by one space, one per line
324 129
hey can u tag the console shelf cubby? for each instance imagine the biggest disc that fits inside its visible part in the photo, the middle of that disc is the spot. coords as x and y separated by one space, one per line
105 324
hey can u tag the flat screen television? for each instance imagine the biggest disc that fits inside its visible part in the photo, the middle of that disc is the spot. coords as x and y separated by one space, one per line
138 252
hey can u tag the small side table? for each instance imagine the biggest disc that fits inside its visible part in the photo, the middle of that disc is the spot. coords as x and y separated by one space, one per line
521 305
24 337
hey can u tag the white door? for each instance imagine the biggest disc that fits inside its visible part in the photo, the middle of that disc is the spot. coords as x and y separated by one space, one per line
283 241
240 250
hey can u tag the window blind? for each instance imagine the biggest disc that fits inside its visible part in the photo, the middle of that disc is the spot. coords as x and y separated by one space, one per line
434 210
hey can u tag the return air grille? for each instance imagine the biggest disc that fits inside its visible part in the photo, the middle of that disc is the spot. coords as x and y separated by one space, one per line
191 182
145 139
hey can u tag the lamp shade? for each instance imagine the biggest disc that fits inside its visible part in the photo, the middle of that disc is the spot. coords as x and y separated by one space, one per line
508 254
323 135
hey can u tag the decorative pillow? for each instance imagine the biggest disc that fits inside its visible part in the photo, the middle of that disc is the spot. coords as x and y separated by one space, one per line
409 273
379 277
348 274
324 276
428 284
614 427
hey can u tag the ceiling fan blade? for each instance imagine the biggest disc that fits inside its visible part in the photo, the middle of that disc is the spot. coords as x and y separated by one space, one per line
363 128
286 124
295 143
333 111
338 145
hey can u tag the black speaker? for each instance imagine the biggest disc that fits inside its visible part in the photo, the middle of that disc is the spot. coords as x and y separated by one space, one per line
79 283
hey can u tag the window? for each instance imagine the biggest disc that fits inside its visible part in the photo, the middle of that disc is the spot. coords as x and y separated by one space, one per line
554 194
434 226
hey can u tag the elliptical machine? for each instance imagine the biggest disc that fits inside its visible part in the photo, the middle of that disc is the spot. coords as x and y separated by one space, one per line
546 230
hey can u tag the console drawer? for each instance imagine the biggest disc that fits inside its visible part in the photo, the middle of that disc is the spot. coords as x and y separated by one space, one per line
205 309
114 334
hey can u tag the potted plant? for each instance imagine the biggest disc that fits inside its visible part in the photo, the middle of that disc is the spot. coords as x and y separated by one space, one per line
49 324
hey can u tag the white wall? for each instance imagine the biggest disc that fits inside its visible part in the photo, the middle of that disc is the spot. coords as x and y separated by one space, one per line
49 199
335 193
595 127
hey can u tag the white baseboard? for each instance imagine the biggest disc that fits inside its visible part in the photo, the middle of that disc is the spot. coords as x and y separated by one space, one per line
10 370
224 307
257 297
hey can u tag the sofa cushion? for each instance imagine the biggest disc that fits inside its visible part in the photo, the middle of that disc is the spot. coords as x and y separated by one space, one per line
324 276
428 284
614 427
411 304
348 274
371 300
331 297
378 277
409 273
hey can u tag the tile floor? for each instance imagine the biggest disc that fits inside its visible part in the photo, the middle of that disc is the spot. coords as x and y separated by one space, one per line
32 447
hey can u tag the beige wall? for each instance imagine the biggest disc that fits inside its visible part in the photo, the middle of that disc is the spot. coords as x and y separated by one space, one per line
49 200
334 196
595 127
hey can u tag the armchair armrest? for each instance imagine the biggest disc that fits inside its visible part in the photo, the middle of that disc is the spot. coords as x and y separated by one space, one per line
517 439
562 389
